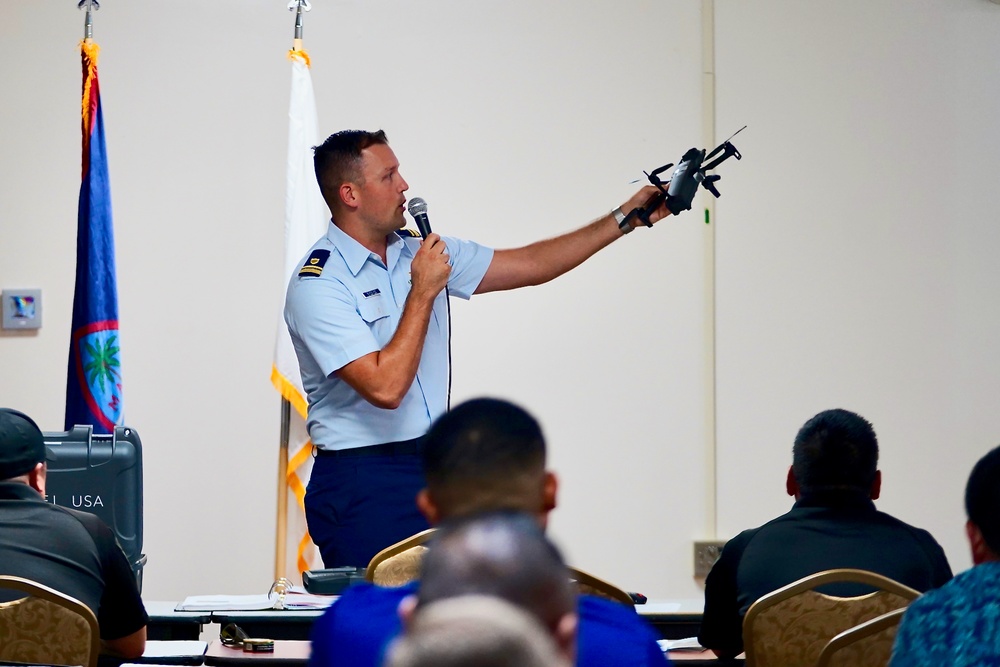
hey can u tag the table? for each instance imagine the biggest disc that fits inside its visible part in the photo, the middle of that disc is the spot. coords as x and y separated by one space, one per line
272 623
701 659
287 653
167 624
293 653
673 619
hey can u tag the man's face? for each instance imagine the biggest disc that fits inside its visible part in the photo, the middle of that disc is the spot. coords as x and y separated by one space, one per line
380 199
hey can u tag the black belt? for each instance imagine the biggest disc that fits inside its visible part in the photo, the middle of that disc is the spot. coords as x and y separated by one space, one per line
414 446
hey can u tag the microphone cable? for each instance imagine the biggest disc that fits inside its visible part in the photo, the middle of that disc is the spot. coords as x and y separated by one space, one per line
417 208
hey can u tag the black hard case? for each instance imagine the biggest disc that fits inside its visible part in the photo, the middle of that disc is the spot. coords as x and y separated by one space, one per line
100 474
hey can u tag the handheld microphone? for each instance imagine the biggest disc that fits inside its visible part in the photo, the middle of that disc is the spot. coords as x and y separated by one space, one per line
418 209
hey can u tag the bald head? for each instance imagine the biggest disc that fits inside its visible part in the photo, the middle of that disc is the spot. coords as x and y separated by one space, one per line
503 555
474 630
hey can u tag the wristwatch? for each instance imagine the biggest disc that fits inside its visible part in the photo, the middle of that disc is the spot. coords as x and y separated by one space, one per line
620 219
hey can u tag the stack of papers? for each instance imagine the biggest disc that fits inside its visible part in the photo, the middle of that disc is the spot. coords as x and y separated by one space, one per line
226 603
299 599
686 644
294 599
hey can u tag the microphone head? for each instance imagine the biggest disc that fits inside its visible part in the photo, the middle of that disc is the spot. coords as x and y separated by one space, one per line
417 206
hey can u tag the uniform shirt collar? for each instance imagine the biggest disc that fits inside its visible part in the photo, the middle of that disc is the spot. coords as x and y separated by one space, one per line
850 499
355 255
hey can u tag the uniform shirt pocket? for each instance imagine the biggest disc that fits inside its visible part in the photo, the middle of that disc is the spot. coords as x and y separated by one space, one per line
377 317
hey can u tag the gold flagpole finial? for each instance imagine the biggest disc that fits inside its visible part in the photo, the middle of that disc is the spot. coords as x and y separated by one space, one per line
298 6
88 24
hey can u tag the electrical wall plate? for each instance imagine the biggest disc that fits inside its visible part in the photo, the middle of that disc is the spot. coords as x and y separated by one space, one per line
705 554
22 309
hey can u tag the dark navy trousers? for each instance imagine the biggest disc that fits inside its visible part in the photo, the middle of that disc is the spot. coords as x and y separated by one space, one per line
358 505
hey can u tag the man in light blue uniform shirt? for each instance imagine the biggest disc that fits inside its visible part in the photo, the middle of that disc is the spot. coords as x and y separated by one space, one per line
367 313
352 309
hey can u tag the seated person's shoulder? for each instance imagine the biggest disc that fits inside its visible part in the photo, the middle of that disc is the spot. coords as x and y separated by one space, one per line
592 608
364 618
367 597
611 633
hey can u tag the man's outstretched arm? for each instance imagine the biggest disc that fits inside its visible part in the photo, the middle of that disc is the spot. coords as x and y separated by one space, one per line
542 261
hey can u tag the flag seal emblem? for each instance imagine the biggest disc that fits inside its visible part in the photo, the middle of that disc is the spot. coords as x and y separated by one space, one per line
98 371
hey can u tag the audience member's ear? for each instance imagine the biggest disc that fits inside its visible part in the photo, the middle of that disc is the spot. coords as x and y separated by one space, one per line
565 635
792 484
407 607
428 507
980 551
550 489
876 489
36 478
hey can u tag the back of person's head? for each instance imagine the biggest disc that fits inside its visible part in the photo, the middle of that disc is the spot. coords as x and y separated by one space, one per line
836 449
474 631
982 502
485 455
338 159
504 555
22 446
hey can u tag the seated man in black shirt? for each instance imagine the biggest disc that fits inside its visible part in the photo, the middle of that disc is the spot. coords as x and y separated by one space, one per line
73 552
833 524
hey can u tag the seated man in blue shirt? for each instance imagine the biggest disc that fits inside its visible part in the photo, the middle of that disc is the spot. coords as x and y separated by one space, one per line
474 630
959 623
501 555
485 455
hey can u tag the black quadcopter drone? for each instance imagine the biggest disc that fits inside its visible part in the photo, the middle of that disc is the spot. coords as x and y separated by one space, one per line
679 190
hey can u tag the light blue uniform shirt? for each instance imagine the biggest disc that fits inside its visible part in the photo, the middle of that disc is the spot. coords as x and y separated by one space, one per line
345 303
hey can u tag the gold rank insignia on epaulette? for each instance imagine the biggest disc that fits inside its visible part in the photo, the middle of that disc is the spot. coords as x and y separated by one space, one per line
314 265
408 232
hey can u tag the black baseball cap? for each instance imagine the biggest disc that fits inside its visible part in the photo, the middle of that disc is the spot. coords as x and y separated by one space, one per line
22 446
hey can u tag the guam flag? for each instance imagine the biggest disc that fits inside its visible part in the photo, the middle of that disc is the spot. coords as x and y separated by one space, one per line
94 382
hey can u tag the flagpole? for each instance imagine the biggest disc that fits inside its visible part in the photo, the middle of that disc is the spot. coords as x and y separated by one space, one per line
281 526
88 22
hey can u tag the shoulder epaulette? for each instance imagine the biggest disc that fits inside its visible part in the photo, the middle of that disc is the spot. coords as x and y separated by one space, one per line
408 233
314 265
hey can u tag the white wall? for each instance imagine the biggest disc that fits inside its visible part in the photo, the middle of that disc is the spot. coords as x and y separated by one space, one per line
852 265
857 245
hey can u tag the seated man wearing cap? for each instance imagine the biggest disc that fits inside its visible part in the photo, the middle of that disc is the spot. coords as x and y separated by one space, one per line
72 552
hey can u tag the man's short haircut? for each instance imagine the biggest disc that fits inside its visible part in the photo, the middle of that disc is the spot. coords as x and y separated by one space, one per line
473 630
338 159
486 454
982 498
836 449
500 554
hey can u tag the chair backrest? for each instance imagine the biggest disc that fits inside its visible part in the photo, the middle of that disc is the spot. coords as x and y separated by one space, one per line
865 645
588 584
399 563
46 627
791 625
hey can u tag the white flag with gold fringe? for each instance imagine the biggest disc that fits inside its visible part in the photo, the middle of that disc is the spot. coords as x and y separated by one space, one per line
305 221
